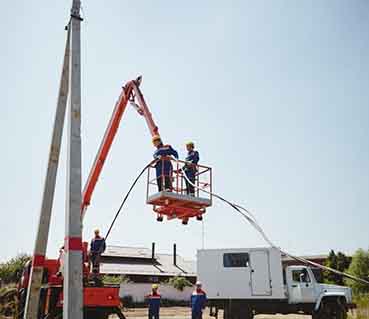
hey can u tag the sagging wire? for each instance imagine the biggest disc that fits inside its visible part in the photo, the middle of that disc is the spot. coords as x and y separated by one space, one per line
126 197
244 213
252 220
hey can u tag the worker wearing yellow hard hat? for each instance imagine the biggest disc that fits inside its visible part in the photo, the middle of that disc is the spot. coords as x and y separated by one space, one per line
163 166
156 139
154 302
190 168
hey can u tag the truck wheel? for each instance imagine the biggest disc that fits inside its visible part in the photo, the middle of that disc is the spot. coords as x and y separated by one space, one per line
341 312
330 310
338 311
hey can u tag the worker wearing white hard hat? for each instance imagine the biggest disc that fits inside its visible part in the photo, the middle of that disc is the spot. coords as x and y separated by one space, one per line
198 301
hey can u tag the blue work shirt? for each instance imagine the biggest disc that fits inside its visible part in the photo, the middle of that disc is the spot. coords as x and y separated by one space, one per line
154 303
97 245
164 167
198 301
192 157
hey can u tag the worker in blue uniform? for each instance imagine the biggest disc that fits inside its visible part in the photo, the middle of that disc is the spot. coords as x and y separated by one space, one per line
190 168
97 247
154 302
164 168
198 301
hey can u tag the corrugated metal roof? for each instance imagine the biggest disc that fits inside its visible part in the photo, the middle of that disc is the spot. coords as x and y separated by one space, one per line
163 266
133 252
145 270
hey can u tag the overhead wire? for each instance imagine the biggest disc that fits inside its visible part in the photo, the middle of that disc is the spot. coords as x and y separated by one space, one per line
252 220
245 213
126 197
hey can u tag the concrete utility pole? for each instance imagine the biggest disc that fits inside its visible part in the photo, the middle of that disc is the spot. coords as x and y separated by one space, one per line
70 83
35 282
73 287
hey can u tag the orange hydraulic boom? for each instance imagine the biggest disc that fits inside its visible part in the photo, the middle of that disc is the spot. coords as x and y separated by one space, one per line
130 93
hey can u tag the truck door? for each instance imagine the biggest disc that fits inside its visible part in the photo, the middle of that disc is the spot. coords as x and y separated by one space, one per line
301 288
260 273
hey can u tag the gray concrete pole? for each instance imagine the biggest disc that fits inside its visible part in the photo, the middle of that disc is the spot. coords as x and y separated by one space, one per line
73 288
35 282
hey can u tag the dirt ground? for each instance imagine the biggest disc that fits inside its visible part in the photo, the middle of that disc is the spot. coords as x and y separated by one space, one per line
184 313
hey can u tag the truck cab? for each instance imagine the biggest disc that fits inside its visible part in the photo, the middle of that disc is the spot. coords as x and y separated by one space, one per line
303 288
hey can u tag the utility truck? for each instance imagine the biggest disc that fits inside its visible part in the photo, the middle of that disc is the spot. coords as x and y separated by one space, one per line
250 281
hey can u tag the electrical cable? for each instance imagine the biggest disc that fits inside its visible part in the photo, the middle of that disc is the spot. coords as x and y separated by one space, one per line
243 212
126 197
252 220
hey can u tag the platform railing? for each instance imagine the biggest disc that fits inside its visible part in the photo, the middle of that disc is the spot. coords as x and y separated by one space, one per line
175 179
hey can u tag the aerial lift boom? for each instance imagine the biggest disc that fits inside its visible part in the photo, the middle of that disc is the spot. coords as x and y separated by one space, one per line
131 93
174 204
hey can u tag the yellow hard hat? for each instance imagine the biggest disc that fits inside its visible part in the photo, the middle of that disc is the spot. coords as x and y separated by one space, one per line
155 286
156 138
190 143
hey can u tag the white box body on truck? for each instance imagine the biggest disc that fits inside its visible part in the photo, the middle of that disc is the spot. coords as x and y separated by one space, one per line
248 281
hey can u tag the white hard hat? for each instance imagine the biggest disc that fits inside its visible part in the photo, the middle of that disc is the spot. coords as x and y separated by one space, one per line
198 283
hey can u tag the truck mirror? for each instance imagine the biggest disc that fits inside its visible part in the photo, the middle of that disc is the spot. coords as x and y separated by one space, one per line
302 277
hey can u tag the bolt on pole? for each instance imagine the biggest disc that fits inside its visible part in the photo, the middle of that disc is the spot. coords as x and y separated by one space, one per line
73 287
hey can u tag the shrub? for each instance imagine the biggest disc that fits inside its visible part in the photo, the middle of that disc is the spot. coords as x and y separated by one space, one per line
114 279
179 283
11 271
359 267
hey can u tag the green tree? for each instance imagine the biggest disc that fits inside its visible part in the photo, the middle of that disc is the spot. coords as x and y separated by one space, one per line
11 271
338 261
179 283
359 267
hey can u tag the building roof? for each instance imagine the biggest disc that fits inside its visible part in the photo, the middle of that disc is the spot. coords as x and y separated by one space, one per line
128 252
126 260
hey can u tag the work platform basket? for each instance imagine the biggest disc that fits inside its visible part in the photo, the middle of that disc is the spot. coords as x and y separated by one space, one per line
172 195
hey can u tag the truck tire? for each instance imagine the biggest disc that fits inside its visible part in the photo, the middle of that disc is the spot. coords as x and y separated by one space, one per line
330 310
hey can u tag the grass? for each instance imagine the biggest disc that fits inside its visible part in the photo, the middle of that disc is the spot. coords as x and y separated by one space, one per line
8 301
362 311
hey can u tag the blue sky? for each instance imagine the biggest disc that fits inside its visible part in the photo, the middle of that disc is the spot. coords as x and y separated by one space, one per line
274 93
